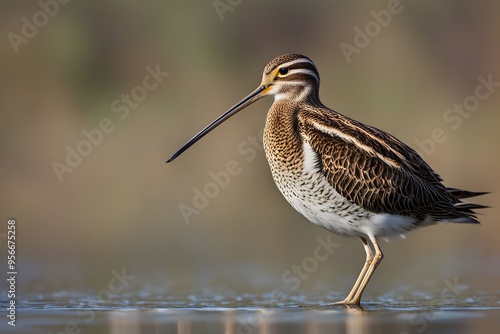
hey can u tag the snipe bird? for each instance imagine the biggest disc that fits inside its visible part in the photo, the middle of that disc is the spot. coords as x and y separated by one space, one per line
345 176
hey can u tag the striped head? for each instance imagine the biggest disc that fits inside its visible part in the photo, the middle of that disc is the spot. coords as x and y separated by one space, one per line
290 77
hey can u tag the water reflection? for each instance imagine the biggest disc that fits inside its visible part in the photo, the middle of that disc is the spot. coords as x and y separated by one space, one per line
77 313
357 322
300 320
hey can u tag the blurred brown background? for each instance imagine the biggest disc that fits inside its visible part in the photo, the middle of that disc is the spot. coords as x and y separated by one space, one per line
119 207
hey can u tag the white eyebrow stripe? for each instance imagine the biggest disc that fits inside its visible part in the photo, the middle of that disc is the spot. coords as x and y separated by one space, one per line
305 71
300 60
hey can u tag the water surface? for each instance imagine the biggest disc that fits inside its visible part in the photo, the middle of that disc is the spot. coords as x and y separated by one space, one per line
215 312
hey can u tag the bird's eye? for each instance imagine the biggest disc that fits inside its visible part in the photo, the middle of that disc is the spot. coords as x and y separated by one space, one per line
283 70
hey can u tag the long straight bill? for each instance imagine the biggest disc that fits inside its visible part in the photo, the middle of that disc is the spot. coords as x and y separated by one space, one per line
254 96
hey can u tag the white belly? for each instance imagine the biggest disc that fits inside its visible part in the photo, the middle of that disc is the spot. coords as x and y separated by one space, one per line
309 192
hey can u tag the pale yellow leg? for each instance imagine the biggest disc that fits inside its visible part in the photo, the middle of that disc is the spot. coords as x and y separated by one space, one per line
361 276
371 263
377 258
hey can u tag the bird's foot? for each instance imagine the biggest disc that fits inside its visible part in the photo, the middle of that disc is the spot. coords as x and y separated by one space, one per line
347 303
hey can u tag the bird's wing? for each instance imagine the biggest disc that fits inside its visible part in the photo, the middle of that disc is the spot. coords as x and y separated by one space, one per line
373 169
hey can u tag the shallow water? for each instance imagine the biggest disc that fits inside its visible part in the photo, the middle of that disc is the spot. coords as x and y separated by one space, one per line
77 312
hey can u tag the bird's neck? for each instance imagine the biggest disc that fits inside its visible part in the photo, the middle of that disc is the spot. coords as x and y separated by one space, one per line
298 94
282 140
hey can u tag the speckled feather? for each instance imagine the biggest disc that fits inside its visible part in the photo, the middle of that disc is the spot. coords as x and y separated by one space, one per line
372 171
350 178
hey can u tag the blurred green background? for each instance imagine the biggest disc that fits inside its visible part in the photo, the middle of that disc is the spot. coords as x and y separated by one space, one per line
119 207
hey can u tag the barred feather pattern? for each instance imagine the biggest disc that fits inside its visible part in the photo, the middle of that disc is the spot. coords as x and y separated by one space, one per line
348 177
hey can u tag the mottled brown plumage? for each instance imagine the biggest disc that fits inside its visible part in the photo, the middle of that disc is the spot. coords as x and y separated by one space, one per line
350 178
404 186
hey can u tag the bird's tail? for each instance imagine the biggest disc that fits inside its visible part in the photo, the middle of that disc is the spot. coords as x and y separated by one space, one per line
460 193
466 209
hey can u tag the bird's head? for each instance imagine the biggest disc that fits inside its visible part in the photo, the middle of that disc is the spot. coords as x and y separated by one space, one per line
289 77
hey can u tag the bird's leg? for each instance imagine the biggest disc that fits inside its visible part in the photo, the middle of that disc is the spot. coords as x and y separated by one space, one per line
377 258
369 259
